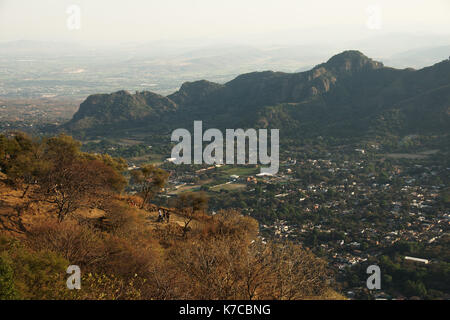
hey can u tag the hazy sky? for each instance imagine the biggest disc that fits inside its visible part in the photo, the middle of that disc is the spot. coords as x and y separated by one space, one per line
114 21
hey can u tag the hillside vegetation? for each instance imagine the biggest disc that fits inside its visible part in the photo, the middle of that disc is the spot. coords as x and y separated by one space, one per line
61 207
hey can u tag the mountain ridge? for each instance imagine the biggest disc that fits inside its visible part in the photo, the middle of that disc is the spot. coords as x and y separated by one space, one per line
348 87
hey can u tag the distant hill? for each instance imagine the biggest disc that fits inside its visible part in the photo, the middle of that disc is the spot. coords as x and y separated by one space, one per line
349 95
420 56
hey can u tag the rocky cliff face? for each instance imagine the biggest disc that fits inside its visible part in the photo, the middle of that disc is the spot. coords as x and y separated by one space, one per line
101 110
195 92
351 61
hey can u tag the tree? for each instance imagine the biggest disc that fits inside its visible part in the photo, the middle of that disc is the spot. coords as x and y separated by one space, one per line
82 182
72 179
65 176
62 150
190 206
150 180
21 158
27 166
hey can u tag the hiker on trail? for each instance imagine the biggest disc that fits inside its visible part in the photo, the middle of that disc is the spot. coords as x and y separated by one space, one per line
167 216
160 217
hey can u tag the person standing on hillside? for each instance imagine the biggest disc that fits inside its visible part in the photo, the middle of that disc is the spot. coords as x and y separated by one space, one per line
160 216
167 216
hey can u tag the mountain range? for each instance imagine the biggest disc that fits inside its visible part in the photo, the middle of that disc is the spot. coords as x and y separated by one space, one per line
349 95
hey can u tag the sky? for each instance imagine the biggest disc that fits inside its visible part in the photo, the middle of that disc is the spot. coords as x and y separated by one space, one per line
225 21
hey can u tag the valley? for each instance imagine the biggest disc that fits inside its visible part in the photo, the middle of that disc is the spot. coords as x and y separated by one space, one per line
364 161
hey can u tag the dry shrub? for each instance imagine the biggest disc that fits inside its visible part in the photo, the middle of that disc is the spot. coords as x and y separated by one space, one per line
206 269
229 268
92 250
120 219
133 201
28 274
125 258
163 283
109 287
79 244
168 234
230 223
296 273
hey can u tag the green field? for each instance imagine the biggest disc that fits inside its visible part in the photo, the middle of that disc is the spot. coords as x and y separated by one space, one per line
229 187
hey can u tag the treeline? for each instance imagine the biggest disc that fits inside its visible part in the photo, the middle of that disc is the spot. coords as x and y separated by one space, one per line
49 192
